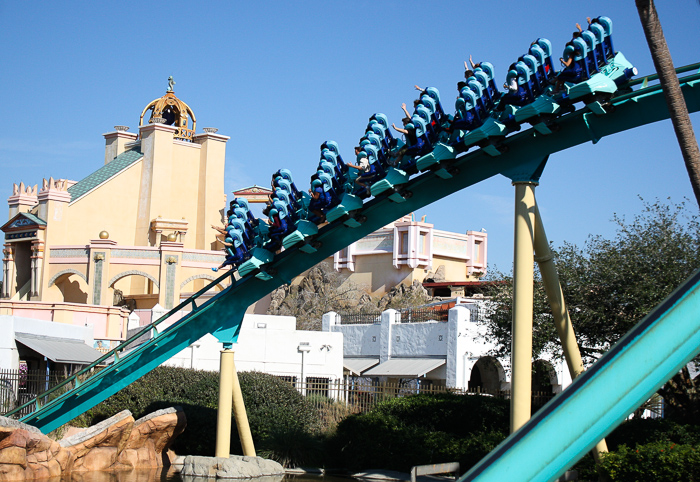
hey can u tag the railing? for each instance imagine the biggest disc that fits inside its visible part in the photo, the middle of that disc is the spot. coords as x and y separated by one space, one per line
408 315
113 355
20 386
360 318
422 315
335 399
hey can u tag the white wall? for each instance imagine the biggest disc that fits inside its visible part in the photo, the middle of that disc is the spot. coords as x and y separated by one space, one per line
271 344
461 341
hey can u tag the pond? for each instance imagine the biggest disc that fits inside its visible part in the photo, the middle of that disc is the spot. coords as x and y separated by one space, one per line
157 475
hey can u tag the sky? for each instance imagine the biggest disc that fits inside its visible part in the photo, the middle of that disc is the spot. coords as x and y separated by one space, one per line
280 78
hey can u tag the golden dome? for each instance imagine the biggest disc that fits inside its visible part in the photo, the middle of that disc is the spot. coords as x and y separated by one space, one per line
170 110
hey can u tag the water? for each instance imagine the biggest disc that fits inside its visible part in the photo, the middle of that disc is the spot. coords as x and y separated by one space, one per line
157 475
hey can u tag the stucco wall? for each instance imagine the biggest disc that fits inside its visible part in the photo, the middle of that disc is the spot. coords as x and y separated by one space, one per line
271 344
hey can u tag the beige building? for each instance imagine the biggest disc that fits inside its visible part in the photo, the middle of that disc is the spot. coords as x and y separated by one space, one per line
407 251
139 224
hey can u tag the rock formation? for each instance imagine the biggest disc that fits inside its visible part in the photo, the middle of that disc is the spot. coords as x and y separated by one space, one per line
117 443
403 296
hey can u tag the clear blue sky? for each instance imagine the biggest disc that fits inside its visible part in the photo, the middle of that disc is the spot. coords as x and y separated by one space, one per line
279 78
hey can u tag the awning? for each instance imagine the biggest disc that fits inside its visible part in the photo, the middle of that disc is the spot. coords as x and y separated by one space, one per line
59 350
406 367
357 365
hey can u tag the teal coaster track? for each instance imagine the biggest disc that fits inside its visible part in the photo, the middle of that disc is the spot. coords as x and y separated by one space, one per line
520 157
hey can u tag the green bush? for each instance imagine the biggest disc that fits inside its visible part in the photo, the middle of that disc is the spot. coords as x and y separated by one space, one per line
421 429
643 431
273 407
658 461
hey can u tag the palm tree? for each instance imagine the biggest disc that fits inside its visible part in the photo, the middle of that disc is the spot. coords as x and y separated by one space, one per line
672 91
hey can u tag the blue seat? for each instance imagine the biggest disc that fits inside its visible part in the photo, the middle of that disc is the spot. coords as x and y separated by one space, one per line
607 42
467 117
544 73
434 94
333 147
599 32
279 228
235 254
475 86
523 96
287 175
546 47
489 97
577 71
592 55
581 55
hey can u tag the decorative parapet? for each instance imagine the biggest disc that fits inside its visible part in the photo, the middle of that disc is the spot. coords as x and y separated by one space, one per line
23 195
55 190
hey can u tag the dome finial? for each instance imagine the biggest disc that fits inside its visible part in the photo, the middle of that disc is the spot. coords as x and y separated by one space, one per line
169 110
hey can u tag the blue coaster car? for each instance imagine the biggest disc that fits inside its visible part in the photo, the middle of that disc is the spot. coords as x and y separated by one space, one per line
441 152
258 259
392 181
494 129
348 204
598 86
302 234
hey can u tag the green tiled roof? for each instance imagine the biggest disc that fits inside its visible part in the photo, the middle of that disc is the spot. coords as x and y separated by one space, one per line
35 219
121 162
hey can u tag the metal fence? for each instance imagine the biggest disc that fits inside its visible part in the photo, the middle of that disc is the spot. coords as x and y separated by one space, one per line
335 399
411 315
20 386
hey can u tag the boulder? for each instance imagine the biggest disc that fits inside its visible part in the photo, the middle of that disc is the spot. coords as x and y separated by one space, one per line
150 438
114 444
26 453
98 447
234 467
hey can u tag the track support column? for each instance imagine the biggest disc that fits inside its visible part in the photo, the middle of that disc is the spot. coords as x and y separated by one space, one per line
241 415
523 279
555 296
223 418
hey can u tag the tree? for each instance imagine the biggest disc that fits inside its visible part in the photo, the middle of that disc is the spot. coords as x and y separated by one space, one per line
611 284
672 91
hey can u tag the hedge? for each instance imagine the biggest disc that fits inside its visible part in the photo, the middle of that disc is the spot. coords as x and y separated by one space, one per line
421 429
273 407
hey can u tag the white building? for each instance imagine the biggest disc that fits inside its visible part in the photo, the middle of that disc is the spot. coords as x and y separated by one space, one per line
452 353
270 344
44 345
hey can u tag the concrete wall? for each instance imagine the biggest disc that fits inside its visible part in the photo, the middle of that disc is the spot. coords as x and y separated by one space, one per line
460 340
271 344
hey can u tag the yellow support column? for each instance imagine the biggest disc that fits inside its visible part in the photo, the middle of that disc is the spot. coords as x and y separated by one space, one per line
562 321
523 279
241 415
223 418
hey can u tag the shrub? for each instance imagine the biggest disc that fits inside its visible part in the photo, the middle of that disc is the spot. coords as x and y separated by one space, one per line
658 461
272 405
642 431
421 429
